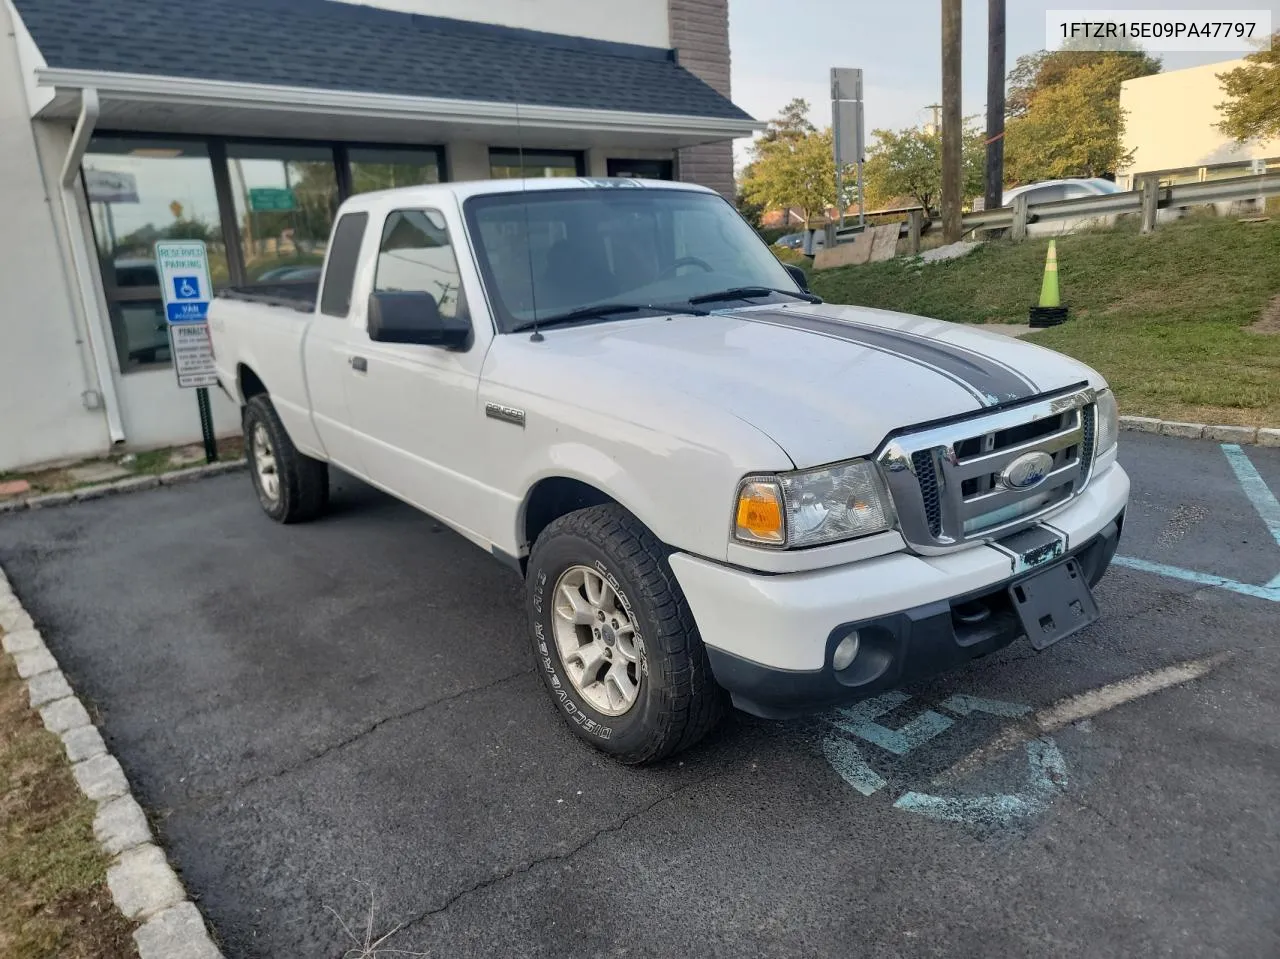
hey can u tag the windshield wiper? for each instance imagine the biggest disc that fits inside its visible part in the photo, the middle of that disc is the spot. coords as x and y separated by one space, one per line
751 292
597 311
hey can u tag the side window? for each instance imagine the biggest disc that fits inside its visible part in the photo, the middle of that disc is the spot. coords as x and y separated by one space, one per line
1047 194
416 256
340 276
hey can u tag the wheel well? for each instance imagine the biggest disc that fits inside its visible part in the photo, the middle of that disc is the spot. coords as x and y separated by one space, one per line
249 384
554 497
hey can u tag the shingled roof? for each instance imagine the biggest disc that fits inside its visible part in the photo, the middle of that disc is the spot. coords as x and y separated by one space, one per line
327 45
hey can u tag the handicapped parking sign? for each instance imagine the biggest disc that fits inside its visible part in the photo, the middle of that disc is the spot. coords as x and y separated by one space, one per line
183 266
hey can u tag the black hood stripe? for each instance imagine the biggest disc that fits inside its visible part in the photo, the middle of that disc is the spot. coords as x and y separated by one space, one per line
990 381
975 356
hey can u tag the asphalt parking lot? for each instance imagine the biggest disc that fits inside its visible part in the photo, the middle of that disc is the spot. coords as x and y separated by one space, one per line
316 712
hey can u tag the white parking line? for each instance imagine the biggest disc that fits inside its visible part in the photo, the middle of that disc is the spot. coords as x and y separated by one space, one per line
1072 709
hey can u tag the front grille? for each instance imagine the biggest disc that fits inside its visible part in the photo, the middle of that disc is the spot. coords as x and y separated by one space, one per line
927 476
1090 414
949 483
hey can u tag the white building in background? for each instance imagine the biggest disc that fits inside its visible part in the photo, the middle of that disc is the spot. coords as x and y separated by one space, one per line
1171 127
246 122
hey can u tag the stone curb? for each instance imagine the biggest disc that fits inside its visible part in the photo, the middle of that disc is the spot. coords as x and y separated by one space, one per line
1249 435
130 485
143 885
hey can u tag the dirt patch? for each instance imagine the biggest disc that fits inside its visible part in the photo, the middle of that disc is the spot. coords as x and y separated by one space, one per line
54 899
1269 321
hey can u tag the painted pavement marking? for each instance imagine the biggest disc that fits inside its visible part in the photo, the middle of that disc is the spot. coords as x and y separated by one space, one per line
1046 780
1263 500
1047 769
1084 705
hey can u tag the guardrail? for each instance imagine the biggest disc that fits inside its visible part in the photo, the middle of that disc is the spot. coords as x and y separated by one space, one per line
1147 200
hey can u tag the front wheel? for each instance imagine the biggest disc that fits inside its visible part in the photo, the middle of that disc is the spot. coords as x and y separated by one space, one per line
291 486
614 639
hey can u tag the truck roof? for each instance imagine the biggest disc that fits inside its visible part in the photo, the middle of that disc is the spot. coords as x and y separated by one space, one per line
468 188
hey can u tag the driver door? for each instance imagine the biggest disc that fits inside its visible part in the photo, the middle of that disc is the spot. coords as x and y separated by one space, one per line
414 406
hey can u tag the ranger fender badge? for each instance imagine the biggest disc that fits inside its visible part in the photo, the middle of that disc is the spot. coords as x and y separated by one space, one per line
508 414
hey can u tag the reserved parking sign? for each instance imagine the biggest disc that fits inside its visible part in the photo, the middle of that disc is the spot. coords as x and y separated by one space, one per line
183 266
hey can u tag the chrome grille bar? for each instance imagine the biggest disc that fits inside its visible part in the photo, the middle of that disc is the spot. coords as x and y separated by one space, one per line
947 484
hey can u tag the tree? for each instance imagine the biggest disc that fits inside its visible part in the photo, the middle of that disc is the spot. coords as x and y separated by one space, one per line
1065 116
793 173
792 165
1252 108
751 211
791 124
1034 73
909 163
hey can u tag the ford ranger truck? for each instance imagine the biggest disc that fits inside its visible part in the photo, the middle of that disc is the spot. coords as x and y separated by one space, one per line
718 488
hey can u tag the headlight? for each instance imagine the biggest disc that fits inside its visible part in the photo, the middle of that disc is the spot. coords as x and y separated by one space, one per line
1108 422
812 507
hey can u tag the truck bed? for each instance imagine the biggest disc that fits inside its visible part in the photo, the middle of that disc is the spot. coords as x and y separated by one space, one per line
299 296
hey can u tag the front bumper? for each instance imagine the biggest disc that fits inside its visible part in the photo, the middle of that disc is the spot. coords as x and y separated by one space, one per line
770 639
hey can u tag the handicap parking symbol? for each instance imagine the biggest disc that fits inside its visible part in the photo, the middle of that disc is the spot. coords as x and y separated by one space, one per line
852 729
186 288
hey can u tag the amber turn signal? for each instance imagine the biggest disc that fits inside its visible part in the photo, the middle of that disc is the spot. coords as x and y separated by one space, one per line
759 515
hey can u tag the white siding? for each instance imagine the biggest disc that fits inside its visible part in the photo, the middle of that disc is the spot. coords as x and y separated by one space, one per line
44 366
622 21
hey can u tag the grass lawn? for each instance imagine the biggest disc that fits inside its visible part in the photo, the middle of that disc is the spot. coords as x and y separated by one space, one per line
54 900
1163 317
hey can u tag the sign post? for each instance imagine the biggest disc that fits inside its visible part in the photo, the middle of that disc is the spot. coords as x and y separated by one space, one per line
847 128
183 266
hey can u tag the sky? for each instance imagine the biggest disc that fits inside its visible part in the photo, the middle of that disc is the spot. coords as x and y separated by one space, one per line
786 49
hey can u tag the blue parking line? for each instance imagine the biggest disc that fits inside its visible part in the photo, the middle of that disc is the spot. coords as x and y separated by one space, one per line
1271 592
1263 500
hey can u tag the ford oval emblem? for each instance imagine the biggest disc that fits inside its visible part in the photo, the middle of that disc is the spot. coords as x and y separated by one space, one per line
1027 471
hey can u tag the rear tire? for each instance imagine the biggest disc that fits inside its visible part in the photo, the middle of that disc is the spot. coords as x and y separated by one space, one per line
602 597
291 487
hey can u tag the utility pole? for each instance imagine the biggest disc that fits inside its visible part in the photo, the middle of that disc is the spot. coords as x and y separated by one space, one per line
951 159
937 122
995 104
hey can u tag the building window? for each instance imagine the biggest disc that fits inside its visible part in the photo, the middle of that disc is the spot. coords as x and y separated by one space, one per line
640 169
385 168
506 164
285 196
416 256
140 191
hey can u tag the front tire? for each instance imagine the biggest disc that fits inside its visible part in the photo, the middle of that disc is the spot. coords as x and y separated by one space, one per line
291 486
614 639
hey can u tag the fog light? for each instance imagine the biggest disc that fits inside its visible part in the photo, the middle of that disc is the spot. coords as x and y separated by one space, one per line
846 652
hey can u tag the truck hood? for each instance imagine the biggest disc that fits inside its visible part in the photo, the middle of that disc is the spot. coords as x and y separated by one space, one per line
824 382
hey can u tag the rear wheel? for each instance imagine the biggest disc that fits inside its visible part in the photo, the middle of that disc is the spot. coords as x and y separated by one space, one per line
615 641
291 487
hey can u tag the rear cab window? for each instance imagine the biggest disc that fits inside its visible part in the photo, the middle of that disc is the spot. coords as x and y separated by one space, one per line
344 256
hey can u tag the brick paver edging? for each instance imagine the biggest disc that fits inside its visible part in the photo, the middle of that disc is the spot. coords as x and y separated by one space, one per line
143 885
129 485
1255 435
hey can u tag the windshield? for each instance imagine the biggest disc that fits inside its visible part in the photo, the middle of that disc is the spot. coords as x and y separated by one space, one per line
544 253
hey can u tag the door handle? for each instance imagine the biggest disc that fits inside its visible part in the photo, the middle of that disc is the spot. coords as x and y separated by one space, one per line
359 364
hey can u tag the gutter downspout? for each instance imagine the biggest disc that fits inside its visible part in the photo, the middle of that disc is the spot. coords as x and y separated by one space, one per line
81 262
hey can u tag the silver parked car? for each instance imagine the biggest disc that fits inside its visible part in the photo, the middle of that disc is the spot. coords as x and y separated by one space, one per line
1050 191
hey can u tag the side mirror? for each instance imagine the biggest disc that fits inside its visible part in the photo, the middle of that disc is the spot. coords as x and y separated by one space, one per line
414 317
799 275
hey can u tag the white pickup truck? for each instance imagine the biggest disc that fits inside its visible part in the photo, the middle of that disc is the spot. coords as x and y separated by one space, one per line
715 486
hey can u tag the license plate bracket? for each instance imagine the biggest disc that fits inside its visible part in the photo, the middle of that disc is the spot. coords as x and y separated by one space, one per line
1054 603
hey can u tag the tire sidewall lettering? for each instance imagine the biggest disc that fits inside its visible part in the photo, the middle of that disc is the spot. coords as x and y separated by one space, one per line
548 657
